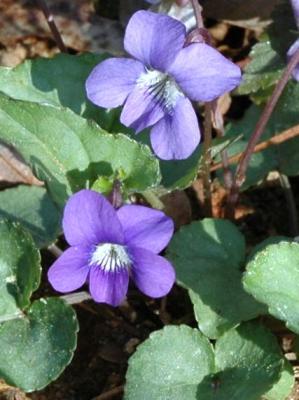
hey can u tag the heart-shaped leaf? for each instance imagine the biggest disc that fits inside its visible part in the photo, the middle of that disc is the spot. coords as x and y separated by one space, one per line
207 256
262 245
217 239
272 277
34 209
178 363
284 386
69 152
59 81
39 345
19 269
263 71
169 365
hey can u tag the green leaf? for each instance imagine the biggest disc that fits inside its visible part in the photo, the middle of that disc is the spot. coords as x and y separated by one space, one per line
207 256
284 386
34 209
20 269
261 163
179 174
169 365
251 361
217 239
272 278
283 157
59 81
268 58
262 245
69 153
178 363
284 117
176 174
263 71
38 346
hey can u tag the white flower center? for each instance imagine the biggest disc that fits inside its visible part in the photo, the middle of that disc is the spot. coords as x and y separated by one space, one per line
110 257
161 86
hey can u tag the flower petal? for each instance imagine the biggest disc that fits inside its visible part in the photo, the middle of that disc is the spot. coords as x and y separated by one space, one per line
146 228
70 270
141 110
90 219
292 50
111 81
203 73
177 135
108 287
295 6
152 274
154 39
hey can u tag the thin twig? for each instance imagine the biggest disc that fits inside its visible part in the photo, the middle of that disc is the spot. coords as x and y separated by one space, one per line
51 22
110 394
255 137
274 141
292 209
206 174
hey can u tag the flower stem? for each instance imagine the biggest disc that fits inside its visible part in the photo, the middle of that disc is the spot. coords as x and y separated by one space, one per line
197 12
75 298
291 204
207 160
153 199
240 174
55 250
219 127
110 394
50 20
207 130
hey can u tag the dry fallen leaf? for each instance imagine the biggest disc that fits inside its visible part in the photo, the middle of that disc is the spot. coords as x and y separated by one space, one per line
13 170
11 393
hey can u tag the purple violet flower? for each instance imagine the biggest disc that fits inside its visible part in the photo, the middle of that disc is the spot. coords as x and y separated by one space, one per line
180 3
292 50
295 46
153 1
108 246
295 6
156 86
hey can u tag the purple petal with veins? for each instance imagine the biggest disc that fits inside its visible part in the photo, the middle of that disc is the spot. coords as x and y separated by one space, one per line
106 246
156 92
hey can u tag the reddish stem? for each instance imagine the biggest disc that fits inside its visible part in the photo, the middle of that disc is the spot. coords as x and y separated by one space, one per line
51 22
255 137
